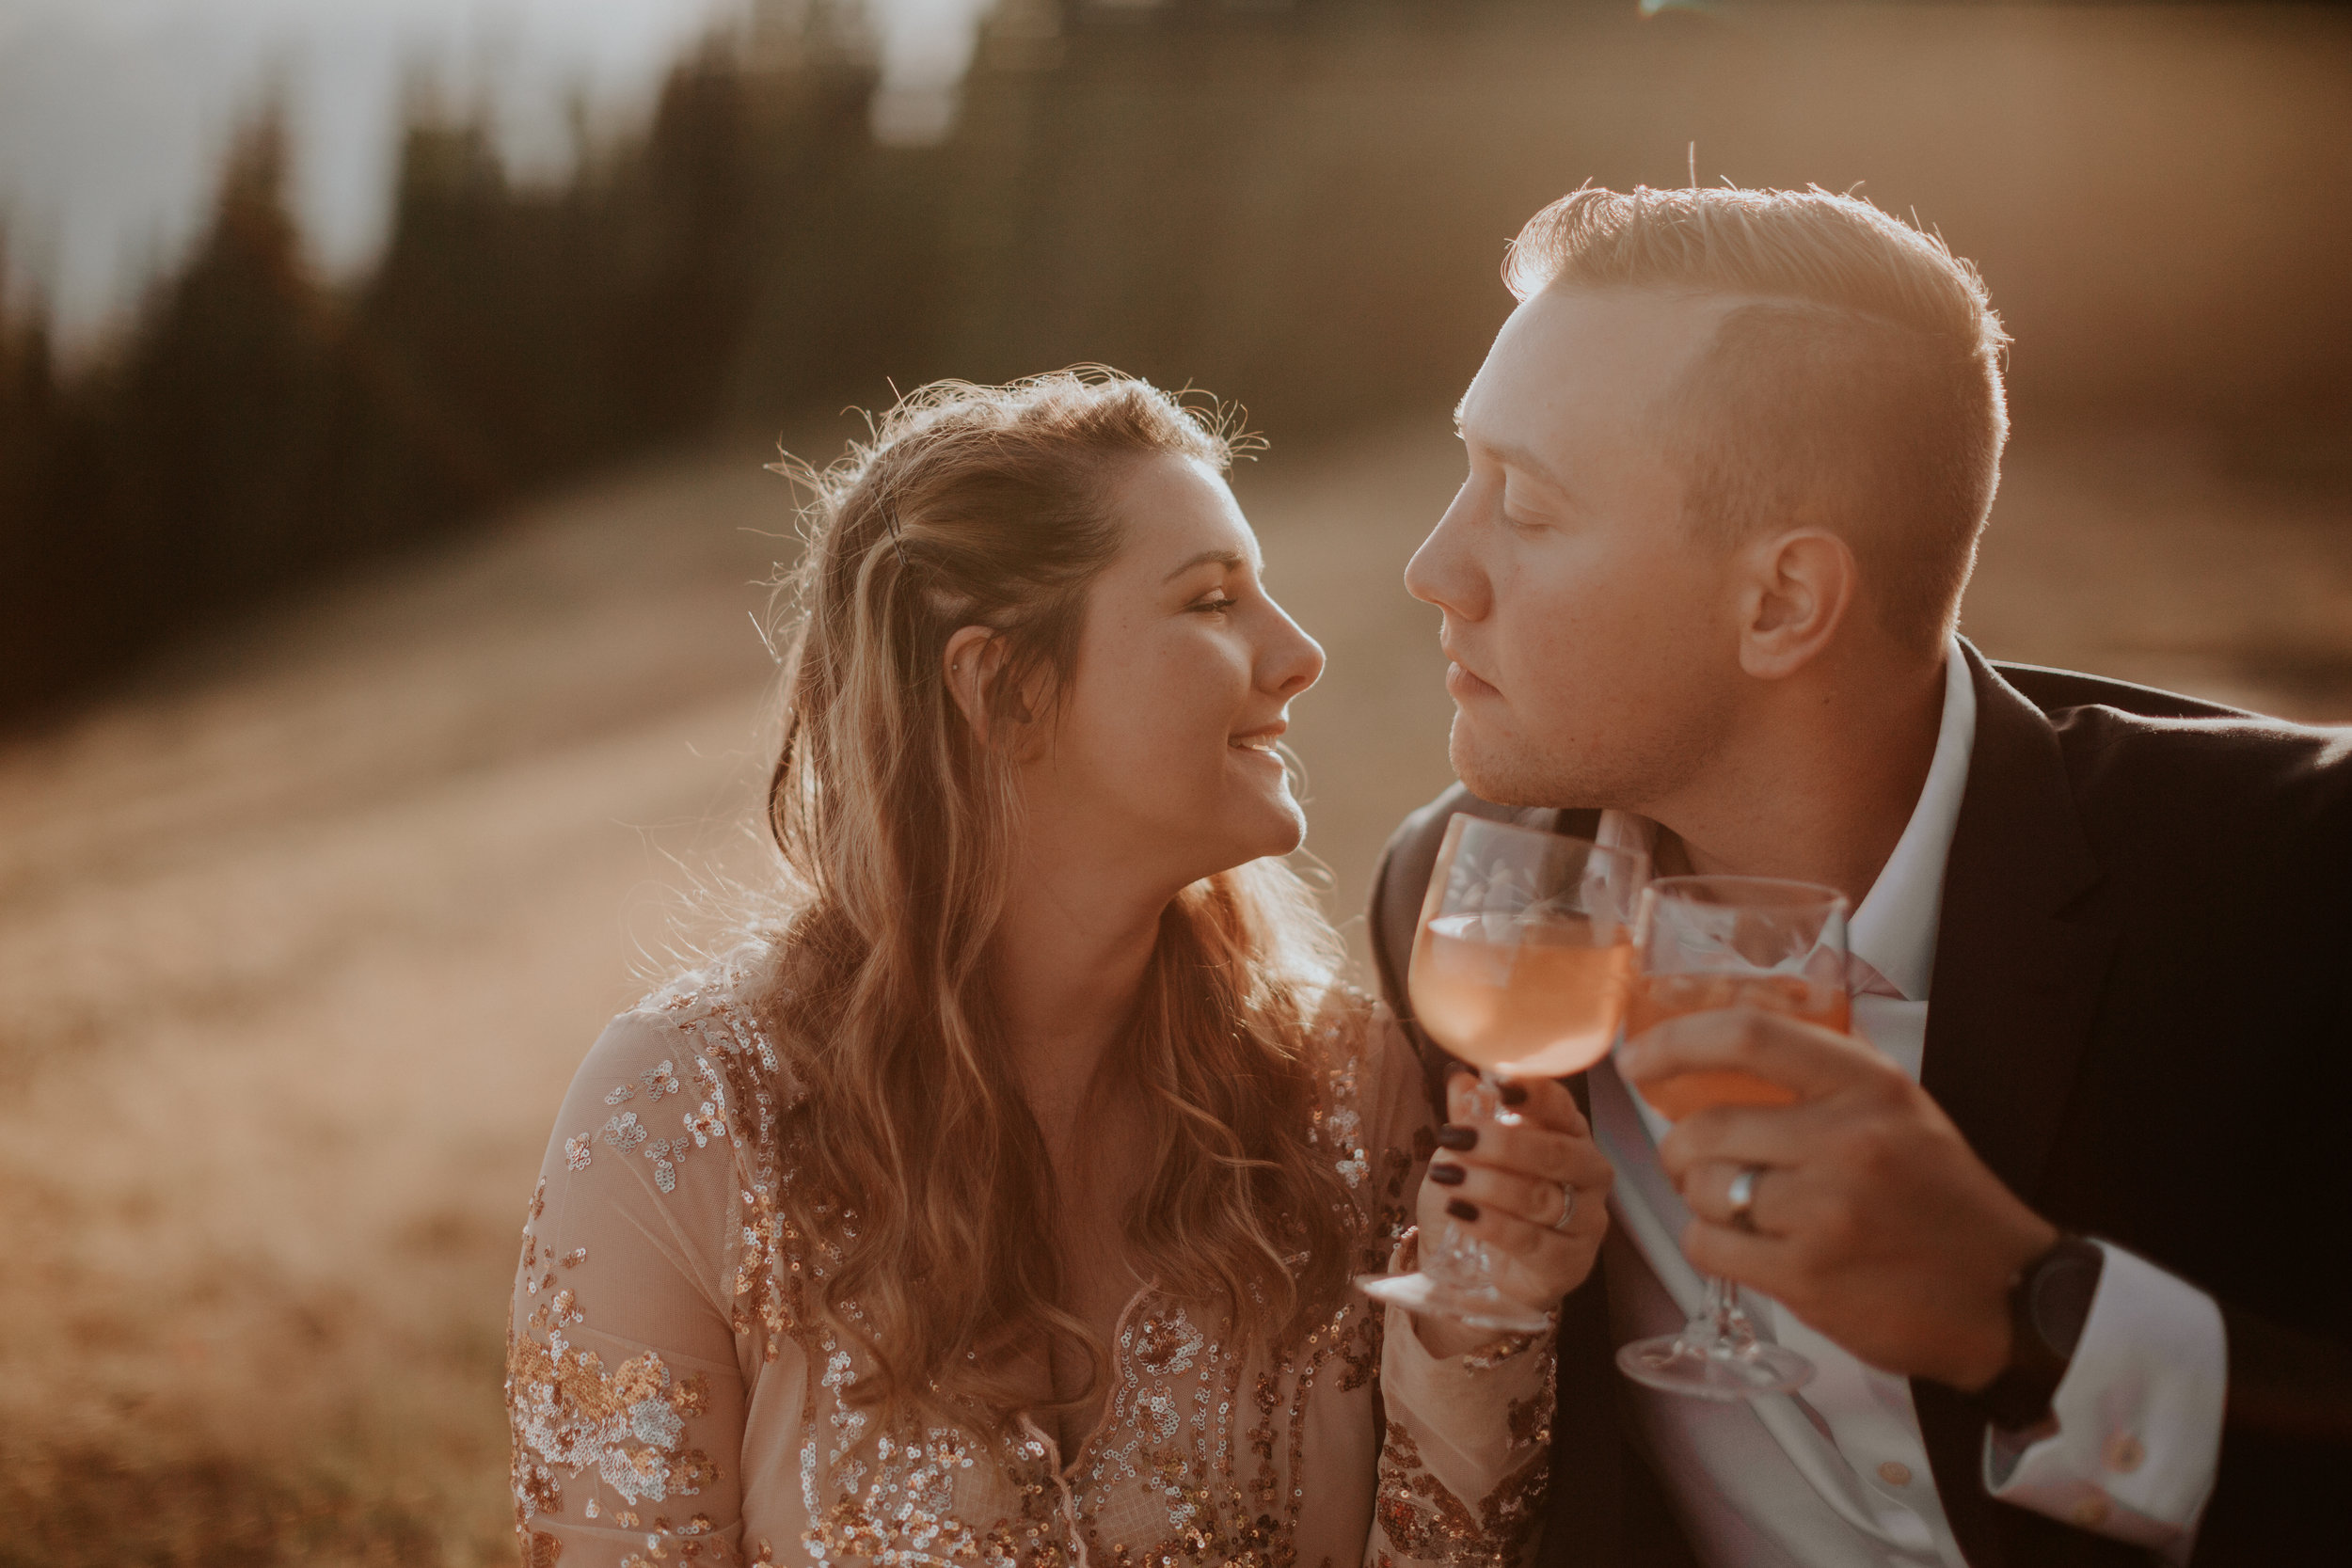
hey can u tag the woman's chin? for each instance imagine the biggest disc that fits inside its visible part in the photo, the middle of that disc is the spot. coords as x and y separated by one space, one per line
1280 827
1255 830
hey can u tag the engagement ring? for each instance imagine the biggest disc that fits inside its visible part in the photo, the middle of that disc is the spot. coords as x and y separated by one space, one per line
1743 1197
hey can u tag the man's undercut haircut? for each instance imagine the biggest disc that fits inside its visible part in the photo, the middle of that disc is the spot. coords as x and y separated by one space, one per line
1856 386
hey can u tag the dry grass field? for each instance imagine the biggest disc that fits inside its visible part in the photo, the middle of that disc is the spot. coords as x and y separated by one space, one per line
299 944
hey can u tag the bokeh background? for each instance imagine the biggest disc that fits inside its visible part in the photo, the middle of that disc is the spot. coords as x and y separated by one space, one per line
384 393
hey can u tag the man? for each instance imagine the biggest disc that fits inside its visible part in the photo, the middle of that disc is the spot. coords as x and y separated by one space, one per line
2060 1226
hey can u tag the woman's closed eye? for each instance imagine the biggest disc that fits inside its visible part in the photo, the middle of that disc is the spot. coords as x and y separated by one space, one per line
1214 604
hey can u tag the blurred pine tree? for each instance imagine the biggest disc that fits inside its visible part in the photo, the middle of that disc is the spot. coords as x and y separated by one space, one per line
1302 204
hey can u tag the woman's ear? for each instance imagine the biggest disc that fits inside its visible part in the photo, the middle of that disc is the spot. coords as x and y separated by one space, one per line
1799 589
974 657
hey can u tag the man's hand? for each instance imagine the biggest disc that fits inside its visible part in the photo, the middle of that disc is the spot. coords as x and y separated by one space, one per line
1507 1181
1874 1222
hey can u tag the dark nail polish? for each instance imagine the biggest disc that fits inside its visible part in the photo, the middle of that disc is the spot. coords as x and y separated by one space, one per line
1513 1094
1447 1176
1461 1208
1457 1138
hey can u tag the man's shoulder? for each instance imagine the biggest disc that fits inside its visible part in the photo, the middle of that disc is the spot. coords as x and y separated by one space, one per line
2136 754
2056 691
1425 824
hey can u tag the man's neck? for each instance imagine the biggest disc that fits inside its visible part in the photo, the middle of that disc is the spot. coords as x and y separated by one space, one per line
1814 790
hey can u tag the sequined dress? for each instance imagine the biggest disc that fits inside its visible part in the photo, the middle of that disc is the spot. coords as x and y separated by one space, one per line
675 1401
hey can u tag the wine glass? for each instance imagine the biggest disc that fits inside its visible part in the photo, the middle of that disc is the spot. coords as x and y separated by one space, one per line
1518 967
1709 943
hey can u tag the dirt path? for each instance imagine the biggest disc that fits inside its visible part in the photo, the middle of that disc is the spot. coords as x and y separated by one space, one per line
298 949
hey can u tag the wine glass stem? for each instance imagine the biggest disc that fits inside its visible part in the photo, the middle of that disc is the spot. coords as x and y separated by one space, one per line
1460 1259
1486 1101
1722 1327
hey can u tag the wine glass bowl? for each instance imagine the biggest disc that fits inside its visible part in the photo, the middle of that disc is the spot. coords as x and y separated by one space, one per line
1704 944
1520 966
1534 996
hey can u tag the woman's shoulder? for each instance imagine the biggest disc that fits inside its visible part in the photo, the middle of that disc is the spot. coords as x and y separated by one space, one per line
1358 1040
722 1010
703 1037
693 1081
1368 1081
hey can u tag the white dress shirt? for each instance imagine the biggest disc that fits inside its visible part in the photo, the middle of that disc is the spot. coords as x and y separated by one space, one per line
1838 1474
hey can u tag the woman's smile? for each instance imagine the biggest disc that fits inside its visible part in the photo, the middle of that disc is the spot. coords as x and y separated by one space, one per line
1260 744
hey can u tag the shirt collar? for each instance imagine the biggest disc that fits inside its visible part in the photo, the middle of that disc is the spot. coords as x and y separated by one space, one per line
1893 930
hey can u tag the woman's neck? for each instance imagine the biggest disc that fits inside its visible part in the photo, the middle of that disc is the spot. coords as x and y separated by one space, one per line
1067 958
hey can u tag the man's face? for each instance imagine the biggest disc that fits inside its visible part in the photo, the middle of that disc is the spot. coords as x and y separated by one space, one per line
1594 656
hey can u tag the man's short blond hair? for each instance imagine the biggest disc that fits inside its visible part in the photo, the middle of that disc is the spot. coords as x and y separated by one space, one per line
1857 386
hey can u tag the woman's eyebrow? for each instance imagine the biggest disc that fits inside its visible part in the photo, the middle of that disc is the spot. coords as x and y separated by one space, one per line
1227 558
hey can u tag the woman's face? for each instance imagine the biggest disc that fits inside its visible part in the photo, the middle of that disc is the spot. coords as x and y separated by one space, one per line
1162 758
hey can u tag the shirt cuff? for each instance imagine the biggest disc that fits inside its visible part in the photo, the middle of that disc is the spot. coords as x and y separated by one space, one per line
2135 1430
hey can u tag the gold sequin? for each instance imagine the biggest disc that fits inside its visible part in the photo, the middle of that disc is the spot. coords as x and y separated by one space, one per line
1201 1456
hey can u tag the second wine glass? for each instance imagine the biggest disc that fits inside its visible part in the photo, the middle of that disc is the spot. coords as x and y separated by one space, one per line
1518 968
1710 943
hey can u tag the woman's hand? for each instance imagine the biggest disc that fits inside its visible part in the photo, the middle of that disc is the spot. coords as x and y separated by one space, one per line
1508 1182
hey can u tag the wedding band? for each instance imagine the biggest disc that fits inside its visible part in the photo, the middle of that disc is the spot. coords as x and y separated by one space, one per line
1743 1197
1567 1207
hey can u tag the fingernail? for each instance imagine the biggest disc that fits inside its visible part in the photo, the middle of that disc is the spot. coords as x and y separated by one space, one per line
1457 1138
1513 1094
1447 1176
1461 1208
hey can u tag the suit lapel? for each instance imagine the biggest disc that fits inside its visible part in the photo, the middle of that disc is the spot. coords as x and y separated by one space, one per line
2015 992
2016 986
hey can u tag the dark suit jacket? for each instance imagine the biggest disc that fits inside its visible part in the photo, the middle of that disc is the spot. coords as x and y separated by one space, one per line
2141 1020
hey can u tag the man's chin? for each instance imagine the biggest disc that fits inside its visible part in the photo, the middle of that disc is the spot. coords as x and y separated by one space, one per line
1486 774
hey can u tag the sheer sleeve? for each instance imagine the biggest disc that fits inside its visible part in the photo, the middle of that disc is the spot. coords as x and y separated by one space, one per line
623 1386
1465 1456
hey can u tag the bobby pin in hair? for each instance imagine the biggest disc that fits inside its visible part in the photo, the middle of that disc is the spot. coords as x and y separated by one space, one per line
897 540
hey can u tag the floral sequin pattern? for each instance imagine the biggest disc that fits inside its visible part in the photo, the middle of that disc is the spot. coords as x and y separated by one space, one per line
661 1079
572 1413
1425 1523
626 1133
1204 1450
622 1132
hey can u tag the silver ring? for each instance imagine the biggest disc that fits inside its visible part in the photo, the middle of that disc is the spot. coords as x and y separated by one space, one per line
1743 1197
1567 1207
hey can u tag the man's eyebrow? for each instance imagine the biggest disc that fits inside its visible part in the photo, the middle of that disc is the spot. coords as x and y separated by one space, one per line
1526 462
1227 558
1516 457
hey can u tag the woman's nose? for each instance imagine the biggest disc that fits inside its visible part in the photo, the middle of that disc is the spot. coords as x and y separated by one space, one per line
1292 661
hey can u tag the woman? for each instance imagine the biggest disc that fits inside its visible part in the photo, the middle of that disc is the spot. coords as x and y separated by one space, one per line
999 1204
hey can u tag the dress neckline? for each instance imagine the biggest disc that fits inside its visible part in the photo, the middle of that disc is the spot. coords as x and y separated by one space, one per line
1063 1470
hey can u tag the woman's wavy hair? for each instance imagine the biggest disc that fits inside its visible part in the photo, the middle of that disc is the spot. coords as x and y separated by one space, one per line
918 1157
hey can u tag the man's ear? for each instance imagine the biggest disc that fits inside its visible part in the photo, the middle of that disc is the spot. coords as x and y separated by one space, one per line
1797 590
973 660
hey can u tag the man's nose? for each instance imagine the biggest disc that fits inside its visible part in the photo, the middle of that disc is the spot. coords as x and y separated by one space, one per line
1444 571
